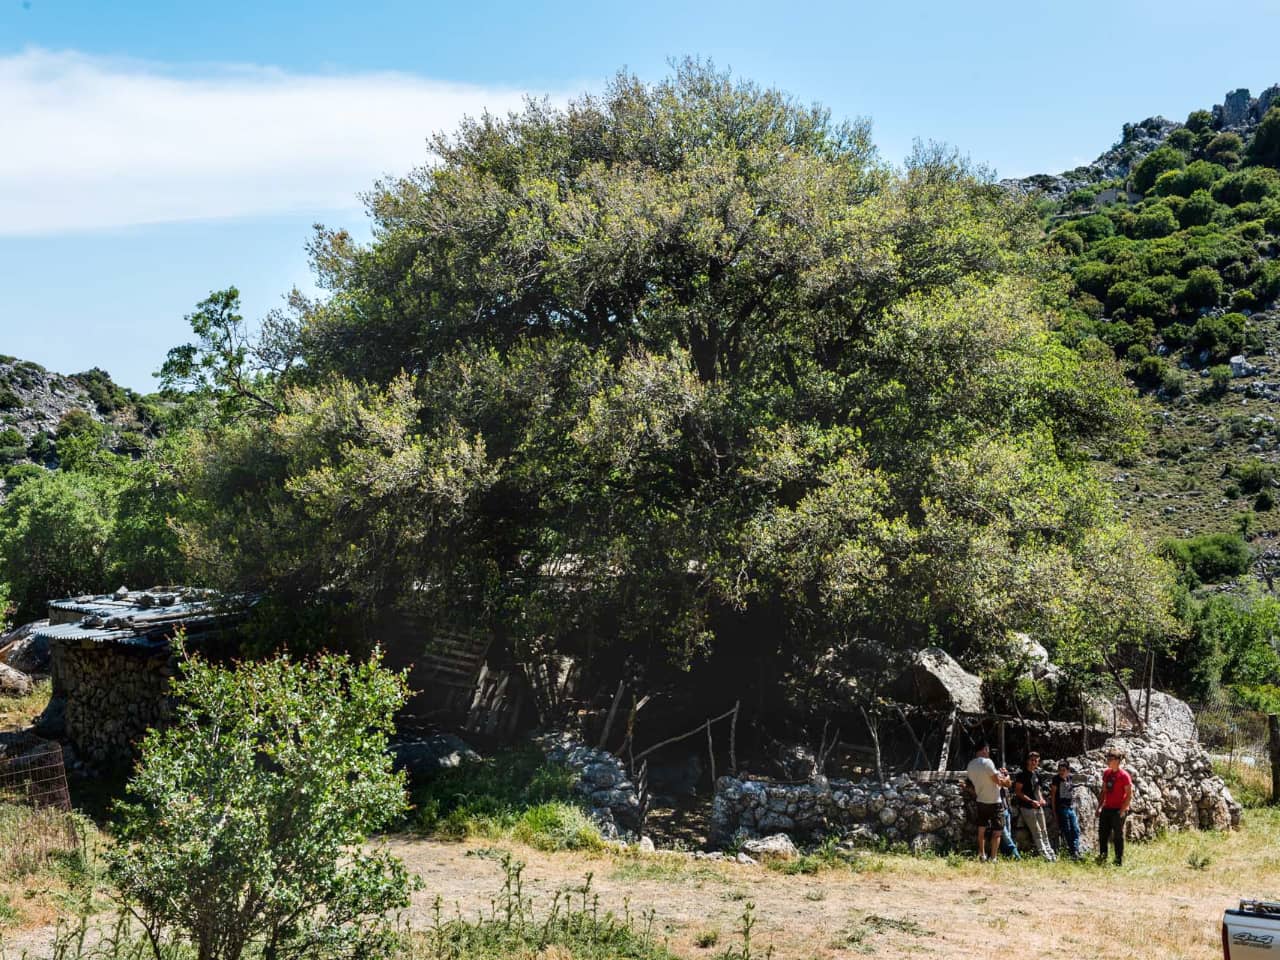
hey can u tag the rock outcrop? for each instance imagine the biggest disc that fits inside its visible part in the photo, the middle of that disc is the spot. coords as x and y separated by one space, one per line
935 679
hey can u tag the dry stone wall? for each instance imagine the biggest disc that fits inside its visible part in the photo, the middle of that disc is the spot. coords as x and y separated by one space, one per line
1174 789
601 779
111 695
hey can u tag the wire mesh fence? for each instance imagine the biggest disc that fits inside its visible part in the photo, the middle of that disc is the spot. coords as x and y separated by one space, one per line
1234 736
32 772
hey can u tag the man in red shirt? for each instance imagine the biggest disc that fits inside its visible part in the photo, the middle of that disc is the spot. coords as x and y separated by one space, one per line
1113 806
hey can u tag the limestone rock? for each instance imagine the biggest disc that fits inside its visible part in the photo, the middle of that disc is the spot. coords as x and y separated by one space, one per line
24 652
14 683
776 847
936 679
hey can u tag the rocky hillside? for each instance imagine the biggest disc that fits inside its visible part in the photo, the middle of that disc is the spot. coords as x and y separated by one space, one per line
1172 238
38 406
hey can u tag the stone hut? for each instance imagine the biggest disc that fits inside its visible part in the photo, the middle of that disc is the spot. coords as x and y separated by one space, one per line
111 661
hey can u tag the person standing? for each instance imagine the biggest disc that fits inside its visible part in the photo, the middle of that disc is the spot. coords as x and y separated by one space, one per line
1008 846
1031 804
987 781
1062 799
1113 806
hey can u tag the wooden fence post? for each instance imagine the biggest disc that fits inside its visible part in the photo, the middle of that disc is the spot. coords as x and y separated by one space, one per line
1273 745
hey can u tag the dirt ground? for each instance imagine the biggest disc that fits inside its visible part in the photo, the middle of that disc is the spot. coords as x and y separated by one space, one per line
899 907
1166 902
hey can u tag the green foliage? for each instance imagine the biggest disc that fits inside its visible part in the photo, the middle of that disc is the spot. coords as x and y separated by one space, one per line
1160 160
572 927
13 446
1255 475
1265 147
246 815
54 531
694 343
8 399
1198 211
19 473
106 395
1157 221
1204 288
1224 149
1211 557
513 793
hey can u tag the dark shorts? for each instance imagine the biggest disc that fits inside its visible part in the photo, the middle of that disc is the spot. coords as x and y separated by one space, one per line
990 816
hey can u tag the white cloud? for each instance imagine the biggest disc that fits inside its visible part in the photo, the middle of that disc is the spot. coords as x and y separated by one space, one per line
93 143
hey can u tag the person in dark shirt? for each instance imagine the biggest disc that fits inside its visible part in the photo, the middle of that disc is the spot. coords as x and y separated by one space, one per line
1031 804
1062 798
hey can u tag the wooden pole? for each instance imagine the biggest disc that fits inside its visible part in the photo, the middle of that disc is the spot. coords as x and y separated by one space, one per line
711 752
733 740
1004 760
944 759
1273 744
613 715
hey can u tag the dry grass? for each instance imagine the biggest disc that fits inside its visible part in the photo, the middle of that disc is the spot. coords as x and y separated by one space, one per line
49 865
17 713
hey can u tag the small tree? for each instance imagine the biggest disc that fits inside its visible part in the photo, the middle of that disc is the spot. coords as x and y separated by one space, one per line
248 812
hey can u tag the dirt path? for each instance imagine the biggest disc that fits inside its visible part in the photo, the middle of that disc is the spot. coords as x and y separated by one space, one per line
899 906
905 908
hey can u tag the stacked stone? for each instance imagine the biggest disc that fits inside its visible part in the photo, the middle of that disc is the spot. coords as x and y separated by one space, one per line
113 693
602 780
1174 789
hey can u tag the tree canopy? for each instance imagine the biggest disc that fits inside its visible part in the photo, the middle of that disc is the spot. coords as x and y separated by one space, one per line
612 370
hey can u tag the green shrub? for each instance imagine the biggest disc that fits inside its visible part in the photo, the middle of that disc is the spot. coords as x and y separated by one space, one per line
1264 501
513 793
1198 210
1265 146
1222 336
9 400
1224 149
1254 475
1155 163
1200 121
1158 221
247 814
1094 228
19 474
1204 288
1211 557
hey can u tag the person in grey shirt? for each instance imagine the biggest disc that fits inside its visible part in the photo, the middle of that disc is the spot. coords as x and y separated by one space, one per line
987 781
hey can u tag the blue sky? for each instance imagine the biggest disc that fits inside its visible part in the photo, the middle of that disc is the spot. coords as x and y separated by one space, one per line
157 150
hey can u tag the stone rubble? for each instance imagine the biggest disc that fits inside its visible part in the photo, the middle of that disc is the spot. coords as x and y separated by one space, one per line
602 780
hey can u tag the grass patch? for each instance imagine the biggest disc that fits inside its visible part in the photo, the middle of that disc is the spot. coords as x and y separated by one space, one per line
21 712
1250 785
49 864
515 794
664 868
572 927
828 856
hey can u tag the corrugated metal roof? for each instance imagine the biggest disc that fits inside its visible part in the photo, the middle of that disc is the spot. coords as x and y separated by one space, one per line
143 618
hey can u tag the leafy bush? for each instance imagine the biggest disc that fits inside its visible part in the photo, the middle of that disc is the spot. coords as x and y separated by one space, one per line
1158 221
1211 557
513 793
1198 210
247 815
1159 161
1254 475
1204 288
1264 501
20 473
1265 147
1222 336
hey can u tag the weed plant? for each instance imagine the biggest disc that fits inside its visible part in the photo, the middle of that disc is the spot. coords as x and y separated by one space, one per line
515 794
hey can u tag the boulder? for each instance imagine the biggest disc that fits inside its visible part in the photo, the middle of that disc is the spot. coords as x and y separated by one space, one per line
776 847
23 651
427 757
935 679
14 683
1168 717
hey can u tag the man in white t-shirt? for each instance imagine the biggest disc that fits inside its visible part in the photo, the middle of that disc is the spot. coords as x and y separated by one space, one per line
987 782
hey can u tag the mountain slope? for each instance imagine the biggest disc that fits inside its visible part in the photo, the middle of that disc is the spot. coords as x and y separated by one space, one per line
1172 240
